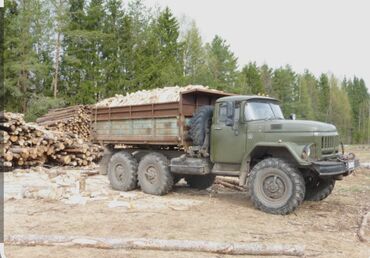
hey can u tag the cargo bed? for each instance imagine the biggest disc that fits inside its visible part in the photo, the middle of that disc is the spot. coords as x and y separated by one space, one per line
150 124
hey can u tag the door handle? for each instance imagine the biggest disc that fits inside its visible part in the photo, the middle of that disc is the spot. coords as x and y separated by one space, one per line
218 128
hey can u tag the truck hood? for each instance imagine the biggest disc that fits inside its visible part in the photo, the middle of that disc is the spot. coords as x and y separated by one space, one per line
299 126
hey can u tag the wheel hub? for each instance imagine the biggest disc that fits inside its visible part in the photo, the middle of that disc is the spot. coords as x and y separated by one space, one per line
151 174
274 187
119 171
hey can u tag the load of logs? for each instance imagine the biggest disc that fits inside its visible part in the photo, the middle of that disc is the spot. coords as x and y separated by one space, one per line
74 119
27 144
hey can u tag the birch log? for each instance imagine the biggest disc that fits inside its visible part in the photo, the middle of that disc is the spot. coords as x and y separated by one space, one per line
157 244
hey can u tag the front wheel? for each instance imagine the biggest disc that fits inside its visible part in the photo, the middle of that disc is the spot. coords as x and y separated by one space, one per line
276 187
318 189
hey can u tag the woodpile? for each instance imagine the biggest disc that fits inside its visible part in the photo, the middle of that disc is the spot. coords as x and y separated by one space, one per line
27 144
74 119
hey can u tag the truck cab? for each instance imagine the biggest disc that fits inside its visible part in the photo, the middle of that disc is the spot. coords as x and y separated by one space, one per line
282 161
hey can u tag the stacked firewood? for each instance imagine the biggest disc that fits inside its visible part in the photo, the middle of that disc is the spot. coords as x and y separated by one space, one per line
27 144
74 119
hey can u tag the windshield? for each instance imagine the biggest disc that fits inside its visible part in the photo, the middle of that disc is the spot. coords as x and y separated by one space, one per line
262 110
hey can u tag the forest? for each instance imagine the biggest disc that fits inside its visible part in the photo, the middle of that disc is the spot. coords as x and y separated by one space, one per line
66 52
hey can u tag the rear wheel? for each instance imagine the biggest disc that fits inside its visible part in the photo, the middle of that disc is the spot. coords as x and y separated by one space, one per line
200 181
276 187
317 189
122 171
154 174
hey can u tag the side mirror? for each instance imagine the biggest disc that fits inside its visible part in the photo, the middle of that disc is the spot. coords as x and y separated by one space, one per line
292 116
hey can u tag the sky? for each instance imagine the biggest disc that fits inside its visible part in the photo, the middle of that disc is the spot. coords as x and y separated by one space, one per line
323 36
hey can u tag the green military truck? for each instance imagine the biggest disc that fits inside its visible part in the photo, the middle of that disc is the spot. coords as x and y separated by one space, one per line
208 133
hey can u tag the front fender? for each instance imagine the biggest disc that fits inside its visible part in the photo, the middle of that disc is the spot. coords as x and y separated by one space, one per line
294 149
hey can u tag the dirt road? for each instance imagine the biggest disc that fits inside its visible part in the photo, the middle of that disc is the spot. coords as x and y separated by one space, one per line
326 229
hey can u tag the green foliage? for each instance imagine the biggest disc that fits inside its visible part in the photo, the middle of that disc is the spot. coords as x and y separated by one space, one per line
222 65
194 56
324 99
303 107
340 109
251 80
39 106
284 84
26 66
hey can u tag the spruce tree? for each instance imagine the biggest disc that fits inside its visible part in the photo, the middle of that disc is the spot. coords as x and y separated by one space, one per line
252 79
324 99
193 56
26 60
222 65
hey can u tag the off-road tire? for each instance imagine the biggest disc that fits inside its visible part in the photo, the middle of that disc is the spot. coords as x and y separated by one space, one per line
122 171
154 174
200 182
269 174
319 189
200 121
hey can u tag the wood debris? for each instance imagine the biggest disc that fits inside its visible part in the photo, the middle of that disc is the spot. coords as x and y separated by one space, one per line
157 95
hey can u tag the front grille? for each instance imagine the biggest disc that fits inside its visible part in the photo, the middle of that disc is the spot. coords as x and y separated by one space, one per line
329 142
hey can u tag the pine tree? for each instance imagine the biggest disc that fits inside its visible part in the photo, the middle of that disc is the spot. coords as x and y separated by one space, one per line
284 84
222 65
114 59
339 110
324 99
311 85
266 78
194 56
72 65
59 22
252 79
25 58
170 50
303 105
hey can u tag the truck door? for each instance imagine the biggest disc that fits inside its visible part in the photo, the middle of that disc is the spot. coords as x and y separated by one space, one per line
228 141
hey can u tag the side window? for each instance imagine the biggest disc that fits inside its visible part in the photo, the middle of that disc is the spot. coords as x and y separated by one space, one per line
222 112
237 112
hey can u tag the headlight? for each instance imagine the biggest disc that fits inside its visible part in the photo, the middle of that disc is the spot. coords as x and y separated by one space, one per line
309 151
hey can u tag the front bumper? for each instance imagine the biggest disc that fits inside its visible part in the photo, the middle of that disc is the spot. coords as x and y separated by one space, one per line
335 167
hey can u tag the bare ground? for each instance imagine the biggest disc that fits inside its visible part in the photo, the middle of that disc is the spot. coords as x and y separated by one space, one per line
326 229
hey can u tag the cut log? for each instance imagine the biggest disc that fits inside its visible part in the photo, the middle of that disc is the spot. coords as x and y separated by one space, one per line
229 185
157 244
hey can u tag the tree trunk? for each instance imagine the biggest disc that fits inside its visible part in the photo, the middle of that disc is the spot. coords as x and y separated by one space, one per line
57 60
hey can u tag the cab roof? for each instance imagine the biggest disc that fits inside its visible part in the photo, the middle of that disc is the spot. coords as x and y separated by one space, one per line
244 97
